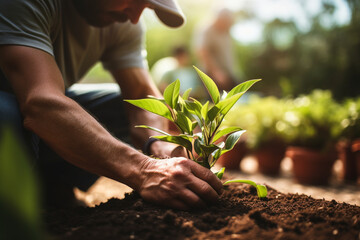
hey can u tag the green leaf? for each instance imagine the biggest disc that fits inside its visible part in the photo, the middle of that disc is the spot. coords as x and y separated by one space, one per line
224 132
197 147
156 98
184 108
242 87
209 149
152 128
181 105
184 123
232 139
171 94
195 109
210 86
186 94
213 112
230 142
204 111
220 173
194 125
217 154
152 105
223 106
19 192
261 189
182 140
228 103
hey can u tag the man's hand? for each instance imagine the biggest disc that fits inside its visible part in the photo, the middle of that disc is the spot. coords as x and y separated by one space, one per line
178 183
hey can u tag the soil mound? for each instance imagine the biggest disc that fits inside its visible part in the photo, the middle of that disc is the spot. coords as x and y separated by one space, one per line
239 214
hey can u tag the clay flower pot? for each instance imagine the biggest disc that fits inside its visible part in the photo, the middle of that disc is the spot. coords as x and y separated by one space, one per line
311 166
232 159
356 151
348 159
269 158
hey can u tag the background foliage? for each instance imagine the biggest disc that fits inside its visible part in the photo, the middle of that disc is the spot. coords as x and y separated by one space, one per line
291 60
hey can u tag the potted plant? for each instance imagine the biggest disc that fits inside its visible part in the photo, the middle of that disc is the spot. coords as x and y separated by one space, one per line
263 120
313 128
188 113
350 135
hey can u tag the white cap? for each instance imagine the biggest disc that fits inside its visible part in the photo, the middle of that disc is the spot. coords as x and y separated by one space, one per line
169 12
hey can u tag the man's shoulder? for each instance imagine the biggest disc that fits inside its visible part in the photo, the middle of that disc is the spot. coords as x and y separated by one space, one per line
30 10
31 4
30 23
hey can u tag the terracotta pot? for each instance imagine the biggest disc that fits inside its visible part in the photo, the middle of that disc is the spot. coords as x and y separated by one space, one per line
232 159
348 159
356 151
269 158
311 166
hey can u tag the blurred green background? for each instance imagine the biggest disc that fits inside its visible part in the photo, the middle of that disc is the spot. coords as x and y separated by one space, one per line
294 46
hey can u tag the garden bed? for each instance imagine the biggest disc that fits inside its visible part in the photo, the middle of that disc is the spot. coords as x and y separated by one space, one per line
239 214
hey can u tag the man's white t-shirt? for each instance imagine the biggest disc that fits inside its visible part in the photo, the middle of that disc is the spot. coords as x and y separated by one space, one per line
55 27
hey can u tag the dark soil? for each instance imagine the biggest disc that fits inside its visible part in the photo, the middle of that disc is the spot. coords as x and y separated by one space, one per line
239 214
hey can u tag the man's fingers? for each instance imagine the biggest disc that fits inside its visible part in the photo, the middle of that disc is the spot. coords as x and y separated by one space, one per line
180 183
203 190
207 176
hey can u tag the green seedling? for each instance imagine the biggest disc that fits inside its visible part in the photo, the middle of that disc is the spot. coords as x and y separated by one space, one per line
188 114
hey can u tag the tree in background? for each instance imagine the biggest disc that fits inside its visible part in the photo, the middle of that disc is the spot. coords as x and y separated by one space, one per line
291 61
327 56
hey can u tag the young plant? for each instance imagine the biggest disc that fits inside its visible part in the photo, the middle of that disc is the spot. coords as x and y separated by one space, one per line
203 147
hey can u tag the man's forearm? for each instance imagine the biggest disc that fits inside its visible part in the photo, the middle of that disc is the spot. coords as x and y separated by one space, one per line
135 83
80 139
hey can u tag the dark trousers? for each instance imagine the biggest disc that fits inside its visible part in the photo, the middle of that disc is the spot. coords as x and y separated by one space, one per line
103 101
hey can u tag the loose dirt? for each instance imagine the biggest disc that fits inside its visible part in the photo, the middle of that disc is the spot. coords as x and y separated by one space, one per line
239 214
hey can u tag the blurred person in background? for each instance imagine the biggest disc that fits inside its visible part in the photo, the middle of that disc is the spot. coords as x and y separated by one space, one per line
185 73
214 50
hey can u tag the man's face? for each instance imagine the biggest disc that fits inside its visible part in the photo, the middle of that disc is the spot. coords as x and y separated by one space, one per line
101 13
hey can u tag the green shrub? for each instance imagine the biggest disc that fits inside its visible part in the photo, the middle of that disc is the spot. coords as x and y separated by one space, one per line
314 121
262 118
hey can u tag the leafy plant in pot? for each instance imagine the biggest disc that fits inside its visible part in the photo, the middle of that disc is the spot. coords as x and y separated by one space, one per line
187 113
263 119
313 128
350 135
